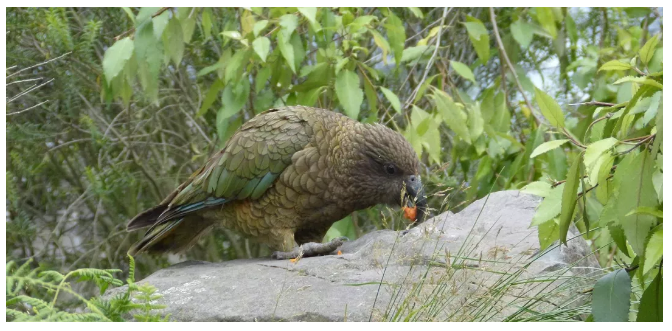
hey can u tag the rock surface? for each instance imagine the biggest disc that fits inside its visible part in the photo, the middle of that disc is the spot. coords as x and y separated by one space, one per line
492 260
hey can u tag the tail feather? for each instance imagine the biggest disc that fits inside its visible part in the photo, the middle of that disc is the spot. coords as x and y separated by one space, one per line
172 236
146 218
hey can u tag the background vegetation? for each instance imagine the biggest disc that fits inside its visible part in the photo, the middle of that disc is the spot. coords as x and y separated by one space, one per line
108 110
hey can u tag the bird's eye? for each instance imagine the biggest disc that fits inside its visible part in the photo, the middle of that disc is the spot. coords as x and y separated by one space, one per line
390 169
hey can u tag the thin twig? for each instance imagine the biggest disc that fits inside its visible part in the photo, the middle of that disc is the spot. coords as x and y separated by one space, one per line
580 194
639 138
27 109
638 71
24 81
594 103
503 54
32 88
638 144
555 184
37 65
607 116
431 60
131 30
571 138
423 30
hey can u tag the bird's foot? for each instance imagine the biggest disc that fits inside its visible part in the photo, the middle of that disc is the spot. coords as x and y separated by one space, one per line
310 249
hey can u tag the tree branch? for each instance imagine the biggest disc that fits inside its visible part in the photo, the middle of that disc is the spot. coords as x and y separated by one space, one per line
503 54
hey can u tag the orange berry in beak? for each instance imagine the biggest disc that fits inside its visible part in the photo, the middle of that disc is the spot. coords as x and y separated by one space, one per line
410 213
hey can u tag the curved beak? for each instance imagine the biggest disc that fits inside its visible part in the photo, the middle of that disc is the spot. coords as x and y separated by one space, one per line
416 196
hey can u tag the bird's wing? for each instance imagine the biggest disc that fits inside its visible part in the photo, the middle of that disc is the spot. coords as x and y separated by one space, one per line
249 164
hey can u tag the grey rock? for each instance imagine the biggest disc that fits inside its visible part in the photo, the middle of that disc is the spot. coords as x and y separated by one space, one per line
483 263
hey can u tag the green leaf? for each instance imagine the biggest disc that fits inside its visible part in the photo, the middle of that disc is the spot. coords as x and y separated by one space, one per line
342 228
262 46
537 188
259 26
349 92
550 109
647 51
648 211
475 121
233 99
654 249
476 29
371 97
232 34
639 80
130 14
309 97
382 43
360 22
392 98
423 134
418 115
340 64
569 198
433 32
116 57
651 303
299 51
287 51
246 23
611 297
547 146
453 116
210 97
522 32
463 70
416 11
548 233
309 13
617 234
557 163
652 110
234 67
595 150
550 207
635 190
615 65
149 55
288 23
145 15
500 115
159 24
206 23
546 19
188 22
479 38
422 128
570 26
396 35
173 42
604 186
432 140
414 53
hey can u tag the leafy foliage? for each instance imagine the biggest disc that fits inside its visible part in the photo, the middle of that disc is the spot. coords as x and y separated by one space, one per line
563 102
28 288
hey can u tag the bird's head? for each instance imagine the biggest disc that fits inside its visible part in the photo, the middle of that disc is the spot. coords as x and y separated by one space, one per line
387 169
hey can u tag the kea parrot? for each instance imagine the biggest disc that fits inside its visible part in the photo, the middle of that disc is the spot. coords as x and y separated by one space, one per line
283 179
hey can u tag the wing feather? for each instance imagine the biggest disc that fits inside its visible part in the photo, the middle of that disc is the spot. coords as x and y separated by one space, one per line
248 165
